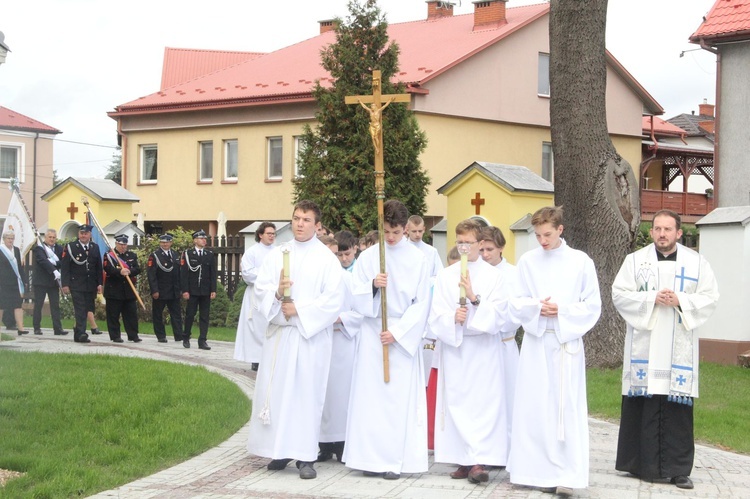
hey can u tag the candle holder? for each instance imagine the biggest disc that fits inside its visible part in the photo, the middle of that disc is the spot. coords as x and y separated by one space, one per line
463 250
285 250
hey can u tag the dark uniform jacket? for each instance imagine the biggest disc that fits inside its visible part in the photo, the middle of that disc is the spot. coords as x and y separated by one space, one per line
44 269
164 274
116 286
198 275
81 270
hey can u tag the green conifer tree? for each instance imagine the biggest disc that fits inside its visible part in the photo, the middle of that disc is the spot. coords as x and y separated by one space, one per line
336 162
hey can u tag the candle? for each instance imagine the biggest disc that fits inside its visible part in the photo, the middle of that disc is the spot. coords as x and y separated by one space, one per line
464 267
285 252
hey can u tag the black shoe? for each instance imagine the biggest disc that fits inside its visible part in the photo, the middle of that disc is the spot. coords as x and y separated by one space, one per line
389 475
326 452
203 345
277 464
682 482
186 343
306 470
60 333
119 340
338 450
95 331
563 491
83 339
254 366
20 332
162 340
38 331
136 340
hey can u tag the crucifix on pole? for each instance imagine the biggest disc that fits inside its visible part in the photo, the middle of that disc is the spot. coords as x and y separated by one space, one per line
377 103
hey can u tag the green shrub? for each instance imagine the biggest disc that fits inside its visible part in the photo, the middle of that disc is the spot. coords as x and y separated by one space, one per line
233 315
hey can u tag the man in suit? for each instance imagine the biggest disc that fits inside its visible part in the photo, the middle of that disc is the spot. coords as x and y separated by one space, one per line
47 258
121 266
164 282
198 283
81 276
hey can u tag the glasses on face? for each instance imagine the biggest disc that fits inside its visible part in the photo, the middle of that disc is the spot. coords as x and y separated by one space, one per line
273 234
466 242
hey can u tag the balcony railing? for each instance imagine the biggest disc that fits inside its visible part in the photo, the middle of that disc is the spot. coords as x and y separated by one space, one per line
687 204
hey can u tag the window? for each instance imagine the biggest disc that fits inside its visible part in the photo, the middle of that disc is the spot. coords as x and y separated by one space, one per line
543 81
274 157
207 161
299 148
230 160
548 162
10 161
149 164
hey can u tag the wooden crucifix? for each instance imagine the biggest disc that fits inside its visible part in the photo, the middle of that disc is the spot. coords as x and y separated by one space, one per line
377 102
72 209
478 201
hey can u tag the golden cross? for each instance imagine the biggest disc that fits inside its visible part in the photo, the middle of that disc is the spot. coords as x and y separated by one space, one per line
378 102
478 201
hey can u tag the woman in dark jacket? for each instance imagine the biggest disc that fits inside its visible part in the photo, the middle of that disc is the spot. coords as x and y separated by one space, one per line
11 279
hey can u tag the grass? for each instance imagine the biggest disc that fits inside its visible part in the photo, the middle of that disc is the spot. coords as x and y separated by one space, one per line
80 424
720 411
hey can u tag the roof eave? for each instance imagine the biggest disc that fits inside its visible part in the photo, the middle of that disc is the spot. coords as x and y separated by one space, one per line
719 38
653 106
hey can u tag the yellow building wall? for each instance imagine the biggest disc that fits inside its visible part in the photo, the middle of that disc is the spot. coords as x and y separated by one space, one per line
501 208
105 211
180 195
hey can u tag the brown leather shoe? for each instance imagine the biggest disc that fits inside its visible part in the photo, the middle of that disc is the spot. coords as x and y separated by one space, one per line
477 474
461 473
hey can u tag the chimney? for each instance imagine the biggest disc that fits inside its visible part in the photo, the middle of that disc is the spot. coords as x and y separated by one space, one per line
326 26
707 126
437 9
706 109
489 14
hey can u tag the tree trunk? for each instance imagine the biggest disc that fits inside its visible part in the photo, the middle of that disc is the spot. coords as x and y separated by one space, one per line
596 187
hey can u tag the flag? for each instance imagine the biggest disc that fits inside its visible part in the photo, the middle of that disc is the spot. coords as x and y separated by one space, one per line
97 236
18 222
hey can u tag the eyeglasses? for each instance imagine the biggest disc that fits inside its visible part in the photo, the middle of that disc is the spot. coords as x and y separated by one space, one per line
466 242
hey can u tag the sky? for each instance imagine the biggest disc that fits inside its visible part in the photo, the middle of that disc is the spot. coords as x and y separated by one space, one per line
72 61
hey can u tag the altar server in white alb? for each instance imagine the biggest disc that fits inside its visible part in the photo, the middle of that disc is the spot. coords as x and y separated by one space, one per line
493 244
251 327
386 432
293 373
470 421
558 302
663 291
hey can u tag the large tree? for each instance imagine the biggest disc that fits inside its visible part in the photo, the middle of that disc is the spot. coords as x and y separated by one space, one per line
596 186
336 163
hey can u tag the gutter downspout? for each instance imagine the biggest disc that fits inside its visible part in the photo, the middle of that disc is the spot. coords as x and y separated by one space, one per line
33 188
123 155
717 192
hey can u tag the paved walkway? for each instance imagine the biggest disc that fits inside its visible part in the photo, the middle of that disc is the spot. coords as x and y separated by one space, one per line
228 471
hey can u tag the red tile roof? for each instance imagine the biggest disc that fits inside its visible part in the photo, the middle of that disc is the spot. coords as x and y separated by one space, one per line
12 120
181 65
661 127
727 20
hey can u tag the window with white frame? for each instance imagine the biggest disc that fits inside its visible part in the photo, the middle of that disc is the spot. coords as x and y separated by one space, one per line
149 163
548 162
274 157
299 148
230 160
543 78
206 161
11 165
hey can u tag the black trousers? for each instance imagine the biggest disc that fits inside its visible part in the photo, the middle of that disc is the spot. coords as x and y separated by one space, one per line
656 438
9 319
129 311
53 292
201 304
83 303
175 314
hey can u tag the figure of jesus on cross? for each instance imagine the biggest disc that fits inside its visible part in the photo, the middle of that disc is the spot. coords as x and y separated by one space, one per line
378 102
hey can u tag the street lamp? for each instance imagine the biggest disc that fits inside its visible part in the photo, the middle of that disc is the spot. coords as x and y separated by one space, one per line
4 49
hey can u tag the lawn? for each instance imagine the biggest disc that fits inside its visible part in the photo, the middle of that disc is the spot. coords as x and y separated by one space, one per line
76 425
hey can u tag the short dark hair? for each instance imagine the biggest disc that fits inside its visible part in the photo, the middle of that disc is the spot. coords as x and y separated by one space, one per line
549 214
306 205
669 213
395 213
262 230
494 235
346 240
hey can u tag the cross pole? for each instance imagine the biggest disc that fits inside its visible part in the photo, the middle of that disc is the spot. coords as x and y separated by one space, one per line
378 102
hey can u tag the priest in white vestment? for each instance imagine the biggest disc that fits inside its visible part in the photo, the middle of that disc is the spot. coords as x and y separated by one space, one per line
291 385
387 428
558 302
251 327
664 292
493 244
470 423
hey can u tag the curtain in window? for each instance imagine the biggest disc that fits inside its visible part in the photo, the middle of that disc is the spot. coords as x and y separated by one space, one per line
8 162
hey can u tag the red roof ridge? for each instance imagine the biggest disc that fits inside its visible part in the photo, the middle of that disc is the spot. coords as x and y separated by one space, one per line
728 20
10 119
